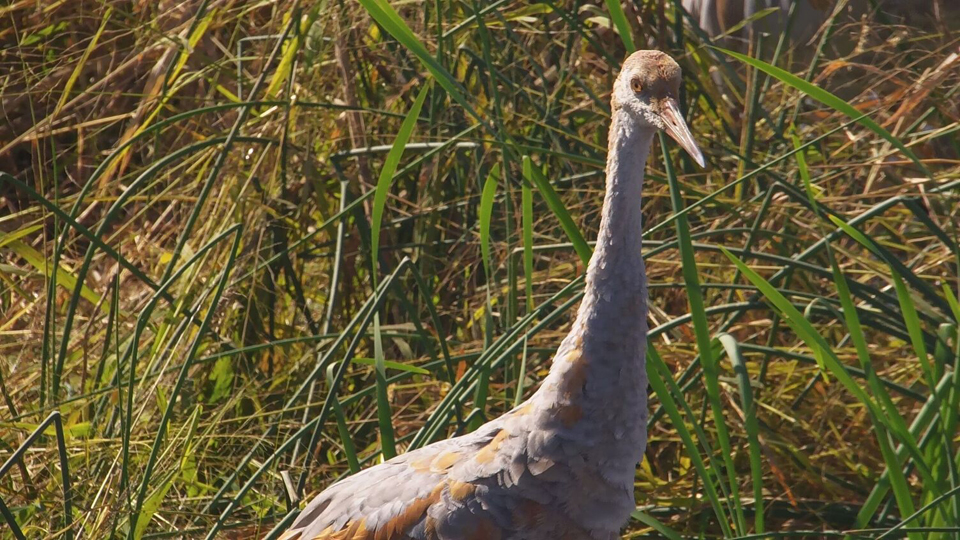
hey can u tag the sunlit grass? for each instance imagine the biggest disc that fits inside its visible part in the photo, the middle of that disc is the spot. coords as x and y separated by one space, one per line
232 294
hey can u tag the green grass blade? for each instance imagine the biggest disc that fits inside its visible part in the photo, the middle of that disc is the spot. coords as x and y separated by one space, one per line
927 414
535 177
182 377
932 504
388 440
694 419
64 278
386 175
953 302
827 99
486 215
898 481
701 328
6 238
345 439
656 525
907 307
620 21
151 506
732 348
527 218
811 195
388 18
657 373
805 330
912 321
521 375
390 364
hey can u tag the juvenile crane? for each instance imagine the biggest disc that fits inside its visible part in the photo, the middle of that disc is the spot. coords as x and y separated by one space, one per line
562 464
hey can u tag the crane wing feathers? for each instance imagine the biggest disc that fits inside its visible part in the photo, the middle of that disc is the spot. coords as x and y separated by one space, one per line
443 490
404 498
382 502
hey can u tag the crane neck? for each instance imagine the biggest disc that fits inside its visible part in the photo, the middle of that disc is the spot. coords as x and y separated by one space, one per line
597 386
621 223
614 301
608 339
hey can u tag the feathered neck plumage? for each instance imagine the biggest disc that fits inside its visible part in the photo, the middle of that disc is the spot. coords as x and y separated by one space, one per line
615 297
600 370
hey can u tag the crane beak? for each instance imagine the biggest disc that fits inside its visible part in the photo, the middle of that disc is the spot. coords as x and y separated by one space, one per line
678 130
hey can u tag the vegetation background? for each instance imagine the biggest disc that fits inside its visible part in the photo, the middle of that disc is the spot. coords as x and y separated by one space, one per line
247 247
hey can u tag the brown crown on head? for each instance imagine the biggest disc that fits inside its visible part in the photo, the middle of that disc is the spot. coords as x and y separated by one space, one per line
657 74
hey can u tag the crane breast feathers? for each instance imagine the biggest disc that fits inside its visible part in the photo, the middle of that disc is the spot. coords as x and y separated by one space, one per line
424 494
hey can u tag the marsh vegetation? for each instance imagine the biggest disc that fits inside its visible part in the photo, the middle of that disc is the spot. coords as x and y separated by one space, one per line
249 247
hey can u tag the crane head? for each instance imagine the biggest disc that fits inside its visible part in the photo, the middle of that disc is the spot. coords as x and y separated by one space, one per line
648 88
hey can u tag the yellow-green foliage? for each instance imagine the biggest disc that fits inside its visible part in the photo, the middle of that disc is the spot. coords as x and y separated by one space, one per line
189 196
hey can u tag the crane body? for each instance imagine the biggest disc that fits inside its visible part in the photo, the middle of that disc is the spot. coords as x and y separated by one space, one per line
562 464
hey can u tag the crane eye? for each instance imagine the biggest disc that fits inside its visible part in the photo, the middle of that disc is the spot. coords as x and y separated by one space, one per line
636 85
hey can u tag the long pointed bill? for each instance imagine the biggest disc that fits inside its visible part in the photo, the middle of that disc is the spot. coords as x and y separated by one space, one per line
678 130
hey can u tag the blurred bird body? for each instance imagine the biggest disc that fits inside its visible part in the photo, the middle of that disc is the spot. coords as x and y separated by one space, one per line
718 17
562 464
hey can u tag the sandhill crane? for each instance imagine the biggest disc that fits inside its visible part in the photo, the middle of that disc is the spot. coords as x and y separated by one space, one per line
717 17
562 464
